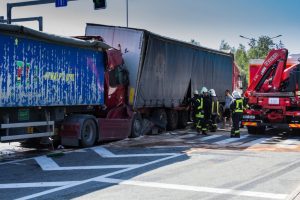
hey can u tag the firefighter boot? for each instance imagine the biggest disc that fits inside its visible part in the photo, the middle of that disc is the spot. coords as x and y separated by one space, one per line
232 134
204 130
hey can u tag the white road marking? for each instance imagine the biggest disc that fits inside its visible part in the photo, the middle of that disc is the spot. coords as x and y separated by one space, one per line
107 154
103 152
38 184
96 178
229 140
48 164
209 137
289 143
253 142
167 147
195 188
187 136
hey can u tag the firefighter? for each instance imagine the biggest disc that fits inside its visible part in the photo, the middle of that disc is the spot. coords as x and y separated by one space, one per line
203 111
214 110
237 108
194 105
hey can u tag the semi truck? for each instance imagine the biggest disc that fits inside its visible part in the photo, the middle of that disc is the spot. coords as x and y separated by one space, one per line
163 72
53 85
84 91
273 95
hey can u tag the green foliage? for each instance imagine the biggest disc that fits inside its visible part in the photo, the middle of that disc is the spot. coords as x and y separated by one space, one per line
224 46
242 60
258 49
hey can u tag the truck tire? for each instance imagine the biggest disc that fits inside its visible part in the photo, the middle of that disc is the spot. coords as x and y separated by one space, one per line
172 117
183 117
88 133
256 130
159 118
136 126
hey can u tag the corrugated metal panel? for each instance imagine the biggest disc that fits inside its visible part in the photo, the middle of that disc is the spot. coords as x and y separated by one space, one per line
36 73
170 66
165 75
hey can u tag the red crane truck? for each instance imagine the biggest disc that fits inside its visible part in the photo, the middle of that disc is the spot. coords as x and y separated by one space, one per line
273 95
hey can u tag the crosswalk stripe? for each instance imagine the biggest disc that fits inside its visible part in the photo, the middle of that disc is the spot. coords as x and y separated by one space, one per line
289 143
209 137
253 142
230 140
187 136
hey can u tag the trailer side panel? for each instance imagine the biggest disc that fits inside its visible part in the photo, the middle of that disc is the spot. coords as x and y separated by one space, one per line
37 73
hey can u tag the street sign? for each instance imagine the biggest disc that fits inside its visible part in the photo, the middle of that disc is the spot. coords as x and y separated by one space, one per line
61 3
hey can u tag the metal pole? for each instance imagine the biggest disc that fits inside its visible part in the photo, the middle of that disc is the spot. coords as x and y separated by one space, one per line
8 13
127 13
39 19
27 3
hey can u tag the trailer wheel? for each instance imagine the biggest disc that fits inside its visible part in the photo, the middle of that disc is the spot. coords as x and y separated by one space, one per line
172 117
136 126
88 133
183 117
256 130
159 118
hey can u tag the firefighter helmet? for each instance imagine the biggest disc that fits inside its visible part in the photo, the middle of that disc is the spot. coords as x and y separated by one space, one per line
212 92
204 90
236 95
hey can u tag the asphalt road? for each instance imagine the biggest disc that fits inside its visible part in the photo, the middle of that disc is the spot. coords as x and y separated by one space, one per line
173 165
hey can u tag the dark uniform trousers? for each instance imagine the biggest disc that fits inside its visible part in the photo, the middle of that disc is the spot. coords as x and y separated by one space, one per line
238 107
201 120
214 113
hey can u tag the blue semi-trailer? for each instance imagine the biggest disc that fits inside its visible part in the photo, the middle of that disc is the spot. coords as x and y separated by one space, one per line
51 84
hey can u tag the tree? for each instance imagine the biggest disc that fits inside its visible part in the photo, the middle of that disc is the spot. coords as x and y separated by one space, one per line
224 46
242 60
258 49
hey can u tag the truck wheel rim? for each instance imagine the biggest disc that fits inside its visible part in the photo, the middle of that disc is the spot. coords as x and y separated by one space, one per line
136 125
88 133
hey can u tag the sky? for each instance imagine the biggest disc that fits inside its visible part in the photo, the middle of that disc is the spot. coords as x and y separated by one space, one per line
206 21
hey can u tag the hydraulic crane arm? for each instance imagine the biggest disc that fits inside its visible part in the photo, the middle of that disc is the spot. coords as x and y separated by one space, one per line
269 76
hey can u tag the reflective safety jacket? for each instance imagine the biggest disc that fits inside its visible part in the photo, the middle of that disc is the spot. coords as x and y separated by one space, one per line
199 107
237 106
214 106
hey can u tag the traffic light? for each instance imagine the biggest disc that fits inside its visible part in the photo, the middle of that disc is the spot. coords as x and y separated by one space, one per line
99 4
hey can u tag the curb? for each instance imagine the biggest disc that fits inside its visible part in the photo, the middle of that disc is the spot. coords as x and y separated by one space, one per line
295 195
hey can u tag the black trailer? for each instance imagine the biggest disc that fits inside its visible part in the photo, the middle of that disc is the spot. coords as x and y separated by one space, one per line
164 72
